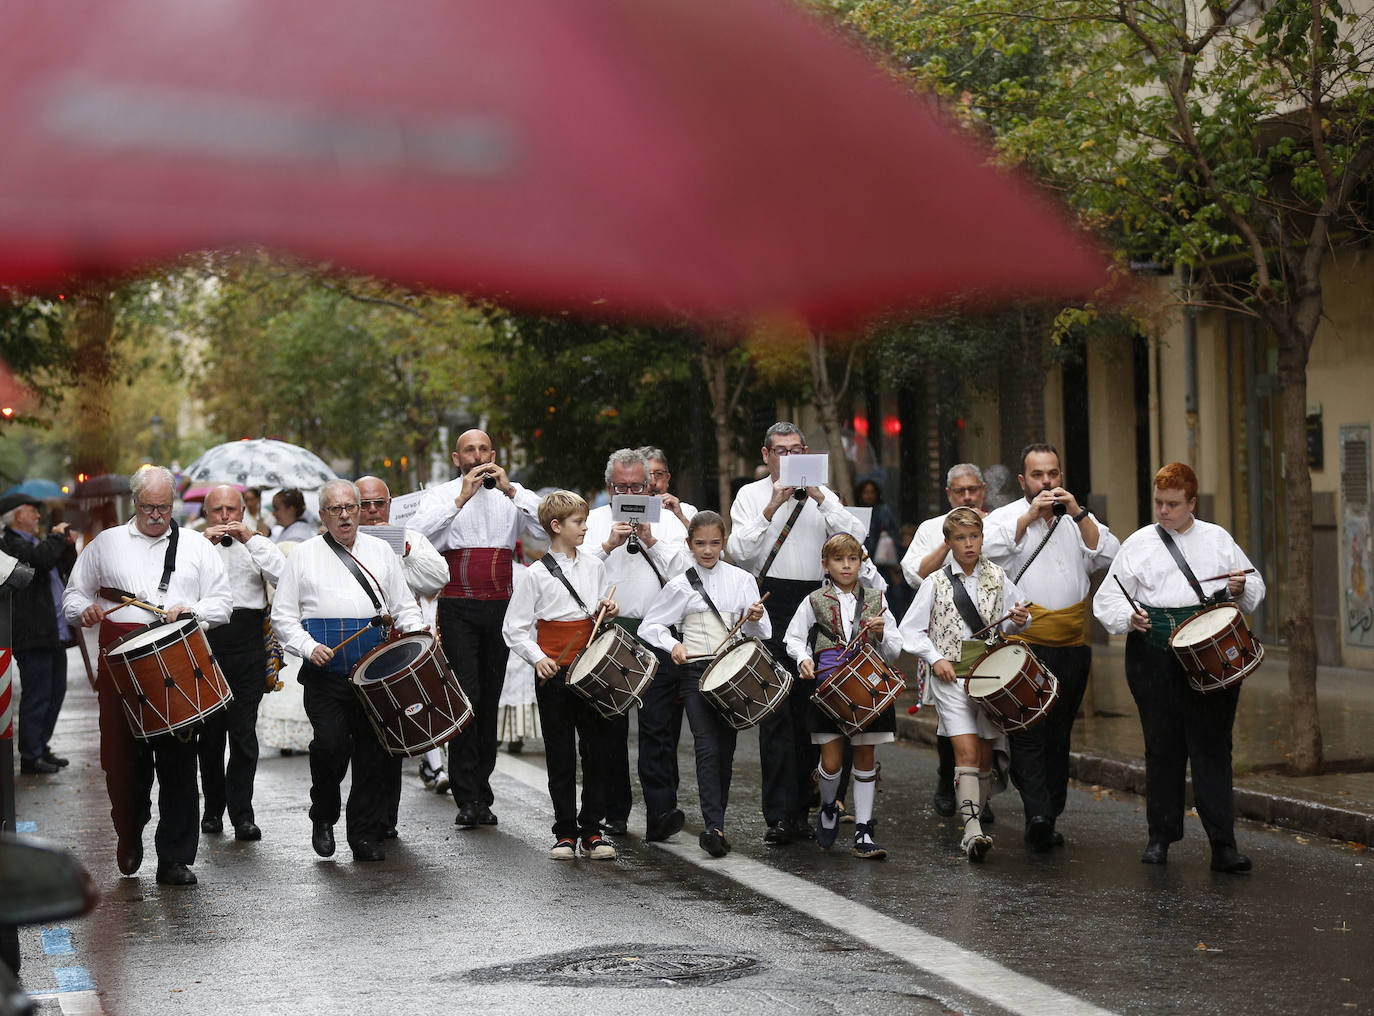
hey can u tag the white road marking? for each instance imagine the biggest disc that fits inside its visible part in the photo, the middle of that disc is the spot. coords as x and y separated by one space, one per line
967 971
73 1003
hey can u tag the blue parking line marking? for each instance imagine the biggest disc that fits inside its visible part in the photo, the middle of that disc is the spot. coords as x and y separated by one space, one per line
73 979
58 942
26 827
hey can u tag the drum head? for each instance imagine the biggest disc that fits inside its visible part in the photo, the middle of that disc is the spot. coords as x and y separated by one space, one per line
393 658
1205 626
996 669
586 661
727 666
156 636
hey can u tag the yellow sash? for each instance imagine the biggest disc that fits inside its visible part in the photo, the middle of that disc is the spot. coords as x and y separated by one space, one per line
1065 627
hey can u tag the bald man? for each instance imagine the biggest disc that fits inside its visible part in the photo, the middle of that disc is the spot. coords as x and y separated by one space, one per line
251 561
475 521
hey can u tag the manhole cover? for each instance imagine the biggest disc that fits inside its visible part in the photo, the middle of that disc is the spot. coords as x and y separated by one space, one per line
625 966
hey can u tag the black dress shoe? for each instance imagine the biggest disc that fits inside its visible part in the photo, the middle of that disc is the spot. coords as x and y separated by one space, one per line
391 833
1227 858
660 827
800 829
1058 838
322 839
55 760
485 816
368 850
777 834
174 873
468 816
247 831
129 854
986 817
1040 833
944 802
37 767
213 824
614 828
1155 853
713 842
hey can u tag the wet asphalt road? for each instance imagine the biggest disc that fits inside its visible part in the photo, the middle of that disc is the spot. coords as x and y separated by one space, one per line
483 921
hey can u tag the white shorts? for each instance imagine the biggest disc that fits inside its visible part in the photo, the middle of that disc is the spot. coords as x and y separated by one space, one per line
878 737
958 713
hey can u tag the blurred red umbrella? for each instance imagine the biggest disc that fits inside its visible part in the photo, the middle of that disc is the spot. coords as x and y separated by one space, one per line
712 156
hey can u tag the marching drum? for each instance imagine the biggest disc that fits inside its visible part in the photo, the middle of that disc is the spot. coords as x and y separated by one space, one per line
613 671
410 695
745 683
166 677
856 692
1012 686
1216 648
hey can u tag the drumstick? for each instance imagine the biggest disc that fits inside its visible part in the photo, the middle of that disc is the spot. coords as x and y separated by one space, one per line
599 615
376 622
129 601
1227 575
992 626
738 625
1134 606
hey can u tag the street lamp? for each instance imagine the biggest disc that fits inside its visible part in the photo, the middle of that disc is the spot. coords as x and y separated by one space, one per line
155 425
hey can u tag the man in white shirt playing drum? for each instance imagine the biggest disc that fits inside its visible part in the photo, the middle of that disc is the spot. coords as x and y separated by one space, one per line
1148 594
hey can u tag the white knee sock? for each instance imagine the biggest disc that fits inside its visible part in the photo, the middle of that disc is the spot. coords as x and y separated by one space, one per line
969 796
434 758
865 788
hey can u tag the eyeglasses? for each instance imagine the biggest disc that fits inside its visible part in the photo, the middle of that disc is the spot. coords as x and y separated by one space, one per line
963 491
659 474
336 510
783 452
379 502
154 509
629 488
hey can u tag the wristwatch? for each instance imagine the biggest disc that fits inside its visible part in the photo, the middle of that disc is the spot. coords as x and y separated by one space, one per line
1081 515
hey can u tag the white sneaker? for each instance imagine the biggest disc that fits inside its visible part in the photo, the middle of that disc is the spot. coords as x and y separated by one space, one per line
441 782
594 848
564 850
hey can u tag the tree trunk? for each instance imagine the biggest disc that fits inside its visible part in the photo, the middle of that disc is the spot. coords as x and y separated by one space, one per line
826 400
1021 392
95 446
1305 738
714 371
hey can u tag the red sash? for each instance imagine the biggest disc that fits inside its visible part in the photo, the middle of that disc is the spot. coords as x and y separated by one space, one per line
562 640
478 573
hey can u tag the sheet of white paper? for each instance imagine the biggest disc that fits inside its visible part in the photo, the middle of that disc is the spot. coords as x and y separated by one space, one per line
394 536
403 507
636 508
804 470
864 515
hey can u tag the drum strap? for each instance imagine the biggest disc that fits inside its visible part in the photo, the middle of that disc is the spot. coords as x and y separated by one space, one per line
169 560
963 603
548 562
782 536
820 627
351 563
1177 555
1048 533
694 580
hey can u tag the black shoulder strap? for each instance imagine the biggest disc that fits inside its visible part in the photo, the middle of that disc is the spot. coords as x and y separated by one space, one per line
964 604
1182 564
548 562
352 565
648 559
694 580
169 561
1048 533
782 536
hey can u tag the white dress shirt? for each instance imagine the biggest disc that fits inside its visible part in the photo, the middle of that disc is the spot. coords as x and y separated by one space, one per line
797 639
752 536
250 566
542 597
125 558
1061 574
916 621
488 519
425 569
1148 571
315 583
635 585
929 535
733 591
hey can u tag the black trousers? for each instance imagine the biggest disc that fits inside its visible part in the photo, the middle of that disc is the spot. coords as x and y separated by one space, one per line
1182 726
470 631
786 754
660 725
714 744
1040 756
572 727
43 687
242 655
343 737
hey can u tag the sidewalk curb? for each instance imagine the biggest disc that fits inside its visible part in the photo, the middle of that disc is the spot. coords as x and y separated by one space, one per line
1314 817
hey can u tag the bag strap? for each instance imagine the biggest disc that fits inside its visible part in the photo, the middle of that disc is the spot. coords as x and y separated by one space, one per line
548 562
352 564
694 580
964 604
1182 564
1048 533
169 560
777 546
648 559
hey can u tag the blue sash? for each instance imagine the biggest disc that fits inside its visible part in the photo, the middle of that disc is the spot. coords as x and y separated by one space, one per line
330 631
